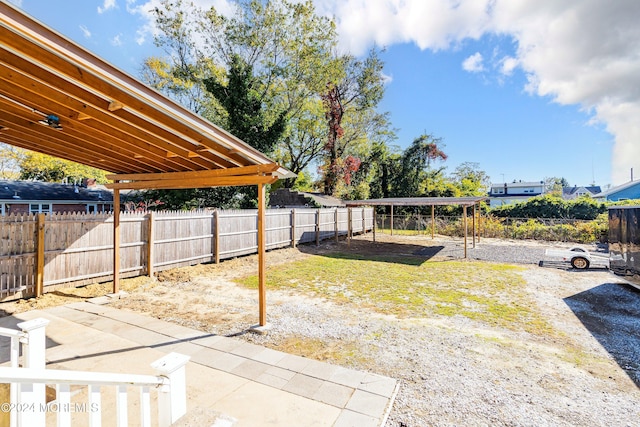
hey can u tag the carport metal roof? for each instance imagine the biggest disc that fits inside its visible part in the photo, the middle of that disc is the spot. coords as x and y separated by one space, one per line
59 99
418 201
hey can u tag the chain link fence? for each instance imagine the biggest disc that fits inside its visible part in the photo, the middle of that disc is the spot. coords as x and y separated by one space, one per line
549 229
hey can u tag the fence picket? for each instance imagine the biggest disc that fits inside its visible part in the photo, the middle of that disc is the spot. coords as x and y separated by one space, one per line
78 247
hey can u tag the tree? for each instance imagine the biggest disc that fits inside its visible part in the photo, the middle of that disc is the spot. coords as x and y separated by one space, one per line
356 94
555 185
291 52
415 166
245 113
471 180
41 167
10 157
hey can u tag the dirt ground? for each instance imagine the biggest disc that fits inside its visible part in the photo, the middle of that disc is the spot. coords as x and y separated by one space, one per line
453 371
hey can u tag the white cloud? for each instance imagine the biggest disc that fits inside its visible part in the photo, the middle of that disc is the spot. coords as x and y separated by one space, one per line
507 65
107 5
148 29
85 31
583 53
116 40
474 63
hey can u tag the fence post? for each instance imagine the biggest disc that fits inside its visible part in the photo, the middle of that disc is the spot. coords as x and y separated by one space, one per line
150 244
335 225
40 255
293 227
216 236
364 223
172 397
33 395
349 227
318 227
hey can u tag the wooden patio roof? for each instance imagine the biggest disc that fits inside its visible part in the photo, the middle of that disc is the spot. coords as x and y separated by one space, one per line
59 99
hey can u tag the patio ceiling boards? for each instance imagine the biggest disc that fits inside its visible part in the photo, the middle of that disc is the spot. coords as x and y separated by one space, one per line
59 99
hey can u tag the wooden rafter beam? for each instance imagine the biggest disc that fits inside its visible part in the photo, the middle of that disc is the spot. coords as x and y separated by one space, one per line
78 65
205 174
177 184
50 92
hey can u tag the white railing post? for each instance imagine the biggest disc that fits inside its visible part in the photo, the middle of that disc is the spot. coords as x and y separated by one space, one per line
31 397
172 396
13 388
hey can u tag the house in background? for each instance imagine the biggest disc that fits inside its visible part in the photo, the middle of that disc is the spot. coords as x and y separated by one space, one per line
570 193
20 197
626 191
514 192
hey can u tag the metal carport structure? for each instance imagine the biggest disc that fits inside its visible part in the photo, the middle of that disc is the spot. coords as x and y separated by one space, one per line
59 99
465 202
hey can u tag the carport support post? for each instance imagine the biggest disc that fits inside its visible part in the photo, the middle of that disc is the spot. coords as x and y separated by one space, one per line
433 221
116 240
464 221
392 220
474 226
262 300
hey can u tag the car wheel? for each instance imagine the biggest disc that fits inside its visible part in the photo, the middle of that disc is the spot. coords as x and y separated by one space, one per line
580 263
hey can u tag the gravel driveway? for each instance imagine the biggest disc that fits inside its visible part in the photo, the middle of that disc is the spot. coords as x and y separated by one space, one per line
455 371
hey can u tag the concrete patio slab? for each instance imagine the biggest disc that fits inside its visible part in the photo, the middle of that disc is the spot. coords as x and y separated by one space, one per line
249 384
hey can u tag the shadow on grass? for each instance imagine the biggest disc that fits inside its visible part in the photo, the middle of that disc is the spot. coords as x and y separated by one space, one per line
611 313
396 253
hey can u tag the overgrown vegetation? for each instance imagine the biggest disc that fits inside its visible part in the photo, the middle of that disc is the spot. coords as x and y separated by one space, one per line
409 286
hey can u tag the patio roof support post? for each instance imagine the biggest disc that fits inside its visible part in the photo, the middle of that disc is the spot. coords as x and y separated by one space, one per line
464 221
433 221
262 301
150 244
392 220
116 240
474 226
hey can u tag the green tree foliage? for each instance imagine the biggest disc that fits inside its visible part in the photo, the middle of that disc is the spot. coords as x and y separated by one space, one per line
41 167
471 180
555 185
415 167
10 157
246 117
291 52
350 105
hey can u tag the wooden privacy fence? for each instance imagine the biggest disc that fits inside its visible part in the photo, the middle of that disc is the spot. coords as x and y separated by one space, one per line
62 250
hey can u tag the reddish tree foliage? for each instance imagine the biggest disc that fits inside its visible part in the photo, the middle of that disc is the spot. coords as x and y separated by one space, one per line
335 168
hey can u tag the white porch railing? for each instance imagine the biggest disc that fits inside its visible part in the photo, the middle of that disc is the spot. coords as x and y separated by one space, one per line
28 406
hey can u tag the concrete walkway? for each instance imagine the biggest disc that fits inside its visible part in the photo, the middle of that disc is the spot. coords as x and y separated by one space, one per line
230 382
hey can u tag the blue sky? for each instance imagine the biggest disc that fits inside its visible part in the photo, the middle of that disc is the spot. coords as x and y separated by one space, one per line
528 89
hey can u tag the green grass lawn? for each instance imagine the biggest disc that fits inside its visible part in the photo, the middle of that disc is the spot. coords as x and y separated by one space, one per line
408 286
